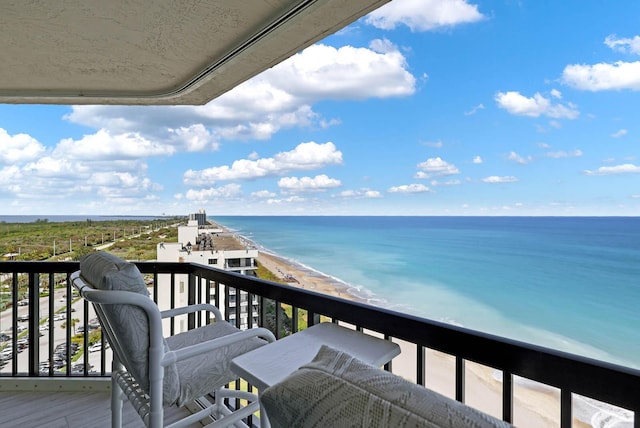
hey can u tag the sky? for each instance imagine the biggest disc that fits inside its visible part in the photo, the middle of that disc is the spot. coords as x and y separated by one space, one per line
423 107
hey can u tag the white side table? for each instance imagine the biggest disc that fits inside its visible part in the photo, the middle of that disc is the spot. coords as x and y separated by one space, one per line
269 364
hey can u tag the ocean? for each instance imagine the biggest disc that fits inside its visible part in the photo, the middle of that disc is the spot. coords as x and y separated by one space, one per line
568 283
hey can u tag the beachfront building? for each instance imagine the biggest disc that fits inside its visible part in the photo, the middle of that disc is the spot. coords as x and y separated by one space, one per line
200 217
207 244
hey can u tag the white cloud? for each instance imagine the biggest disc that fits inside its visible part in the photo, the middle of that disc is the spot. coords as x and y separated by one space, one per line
619 133
499 179
624 45
518 104
100 164
102 146
360 194
324 72
372 194
409 188
436 183
474 110
10 179
556 93
51 167
626 168
203 195
263 194
281 97
562 154
18 148
319 183
424 15
513 156
306 156
192 138
291 199
603 76
477 160
435 167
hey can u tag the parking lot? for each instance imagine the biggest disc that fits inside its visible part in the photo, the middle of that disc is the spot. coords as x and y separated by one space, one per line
57 335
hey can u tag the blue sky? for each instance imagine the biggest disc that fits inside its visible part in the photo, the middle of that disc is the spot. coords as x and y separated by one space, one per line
432 107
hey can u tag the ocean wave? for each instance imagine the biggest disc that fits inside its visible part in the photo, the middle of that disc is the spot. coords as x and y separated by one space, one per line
592 412
601 415
358 291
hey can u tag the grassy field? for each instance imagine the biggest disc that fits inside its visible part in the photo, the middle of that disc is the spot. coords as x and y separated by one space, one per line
43 240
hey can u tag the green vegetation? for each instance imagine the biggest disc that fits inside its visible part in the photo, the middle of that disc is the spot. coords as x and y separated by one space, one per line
44 240
286 310
264 273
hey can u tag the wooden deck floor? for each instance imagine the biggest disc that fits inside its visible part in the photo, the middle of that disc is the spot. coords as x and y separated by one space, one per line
19 409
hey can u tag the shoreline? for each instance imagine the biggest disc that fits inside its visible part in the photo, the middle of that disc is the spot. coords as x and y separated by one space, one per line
483 390
535 405
305 278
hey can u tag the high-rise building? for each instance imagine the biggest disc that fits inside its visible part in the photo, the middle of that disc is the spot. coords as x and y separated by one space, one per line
200 217
209 245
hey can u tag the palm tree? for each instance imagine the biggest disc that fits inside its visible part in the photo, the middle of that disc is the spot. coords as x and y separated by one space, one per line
74 321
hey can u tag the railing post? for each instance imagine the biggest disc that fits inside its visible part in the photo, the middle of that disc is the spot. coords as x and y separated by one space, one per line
294 319
278 319
421 367
313 318
172 297
34 318
507 397
460 379
191 300
565 408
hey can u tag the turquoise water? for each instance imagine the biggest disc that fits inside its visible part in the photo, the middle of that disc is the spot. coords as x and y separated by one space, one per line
568 283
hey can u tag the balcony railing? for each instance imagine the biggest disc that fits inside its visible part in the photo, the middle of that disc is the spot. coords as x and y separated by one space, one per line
45 283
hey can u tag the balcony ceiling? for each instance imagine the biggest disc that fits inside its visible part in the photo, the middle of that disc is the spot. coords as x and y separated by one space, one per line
154 51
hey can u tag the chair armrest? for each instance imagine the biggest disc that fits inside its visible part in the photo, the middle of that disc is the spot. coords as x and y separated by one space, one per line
170 313
193 350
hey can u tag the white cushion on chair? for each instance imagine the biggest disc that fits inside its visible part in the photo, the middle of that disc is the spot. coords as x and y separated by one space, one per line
105 271
196 375
336 389
130 324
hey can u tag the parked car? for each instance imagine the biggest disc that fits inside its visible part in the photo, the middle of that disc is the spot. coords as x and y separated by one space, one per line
79 368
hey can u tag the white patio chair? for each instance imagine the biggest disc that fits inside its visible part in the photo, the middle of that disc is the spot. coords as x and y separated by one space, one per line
154 372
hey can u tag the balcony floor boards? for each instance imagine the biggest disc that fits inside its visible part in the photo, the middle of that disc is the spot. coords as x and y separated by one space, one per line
20 409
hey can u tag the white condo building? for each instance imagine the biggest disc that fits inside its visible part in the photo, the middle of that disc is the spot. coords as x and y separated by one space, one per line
200 242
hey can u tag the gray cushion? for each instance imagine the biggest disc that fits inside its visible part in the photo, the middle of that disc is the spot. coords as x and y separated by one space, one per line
104 271
199 375
129 323
338 390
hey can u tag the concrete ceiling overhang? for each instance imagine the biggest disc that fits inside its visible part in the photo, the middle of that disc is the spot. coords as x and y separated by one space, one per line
153 52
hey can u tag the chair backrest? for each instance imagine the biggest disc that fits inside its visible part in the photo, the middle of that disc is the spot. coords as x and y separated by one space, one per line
127 325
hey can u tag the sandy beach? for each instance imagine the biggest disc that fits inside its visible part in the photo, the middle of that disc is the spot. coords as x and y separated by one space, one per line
305 278
535 406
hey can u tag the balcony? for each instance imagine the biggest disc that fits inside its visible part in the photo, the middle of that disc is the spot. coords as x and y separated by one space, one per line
36 359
